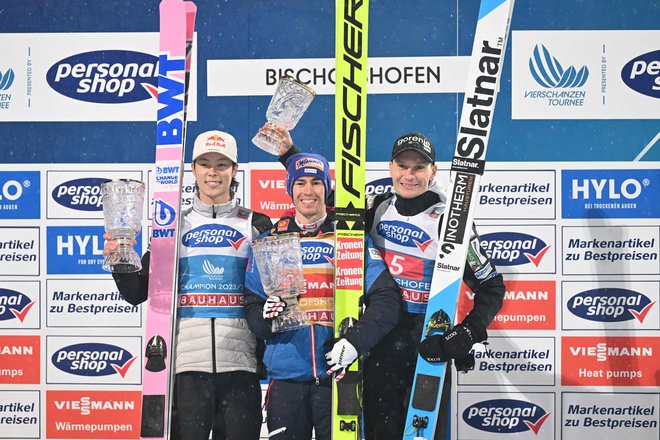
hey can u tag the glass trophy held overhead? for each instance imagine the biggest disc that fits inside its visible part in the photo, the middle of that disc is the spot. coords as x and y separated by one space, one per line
123 201
288 104
279 259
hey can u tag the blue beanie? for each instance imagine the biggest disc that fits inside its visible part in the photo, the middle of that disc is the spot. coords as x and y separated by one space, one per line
307 164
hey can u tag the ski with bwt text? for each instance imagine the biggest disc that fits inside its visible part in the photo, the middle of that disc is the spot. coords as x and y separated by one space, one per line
486 64
177 20
351 23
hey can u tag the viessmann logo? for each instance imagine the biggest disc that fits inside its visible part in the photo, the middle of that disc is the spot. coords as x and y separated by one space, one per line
514 248
212 236
610 305
617 348
106 76
549 73
80 194
642 74
505 416
14 305
85 405
404 234
93 359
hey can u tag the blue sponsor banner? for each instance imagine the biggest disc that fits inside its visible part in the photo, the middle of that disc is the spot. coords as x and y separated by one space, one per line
109 76
505 416
80 194
93 359
77 250
639 75
20 195
610 193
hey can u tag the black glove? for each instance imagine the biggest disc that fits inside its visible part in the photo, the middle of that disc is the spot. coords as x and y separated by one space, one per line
456 343
466 364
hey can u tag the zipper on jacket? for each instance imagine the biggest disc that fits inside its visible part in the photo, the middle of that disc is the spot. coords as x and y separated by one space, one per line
213 209
316 377
213 343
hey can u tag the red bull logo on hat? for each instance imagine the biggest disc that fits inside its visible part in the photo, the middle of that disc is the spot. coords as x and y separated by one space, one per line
215 141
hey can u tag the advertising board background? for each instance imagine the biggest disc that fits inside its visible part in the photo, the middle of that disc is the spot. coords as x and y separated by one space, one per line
568 206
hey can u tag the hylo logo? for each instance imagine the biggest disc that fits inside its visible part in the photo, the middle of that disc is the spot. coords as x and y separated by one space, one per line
607 188
549 73
12 190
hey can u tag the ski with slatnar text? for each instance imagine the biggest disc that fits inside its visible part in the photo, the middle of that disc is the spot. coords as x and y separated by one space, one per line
486 64
177 20
350 160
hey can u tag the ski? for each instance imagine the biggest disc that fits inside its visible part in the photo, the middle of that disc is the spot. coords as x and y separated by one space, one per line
467 166
351 25
177 19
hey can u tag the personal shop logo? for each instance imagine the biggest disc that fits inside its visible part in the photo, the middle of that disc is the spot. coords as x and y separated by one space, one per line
610 305
505 416
213 236
80 194
404 234
93 359
314 252
106 76
14 305
379 186
642 74
548 72
514 248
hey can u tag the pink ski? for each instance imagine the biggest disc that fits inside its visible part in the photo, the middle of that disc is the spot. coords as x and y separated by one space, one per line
177 19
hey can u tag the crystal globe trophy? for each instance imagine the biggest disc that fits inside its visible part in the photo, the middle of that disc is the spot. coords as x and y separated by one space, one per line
123 201
288 104
279 259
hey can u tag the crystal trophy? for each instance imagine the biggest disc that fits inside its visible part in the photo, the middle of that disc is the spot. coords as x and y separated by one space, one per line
290 101
123 200
279 259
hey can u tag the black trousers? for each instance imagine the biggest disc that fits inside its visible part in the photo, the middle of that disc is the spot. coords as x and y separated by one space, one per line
227 404
294 408
388 382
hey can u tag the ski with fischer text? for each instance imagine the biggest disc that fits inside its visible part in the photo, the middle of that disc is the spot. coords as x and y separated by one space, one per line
486 64
177 19
351 24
